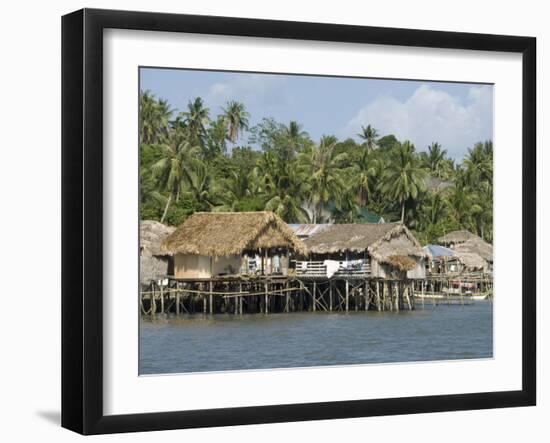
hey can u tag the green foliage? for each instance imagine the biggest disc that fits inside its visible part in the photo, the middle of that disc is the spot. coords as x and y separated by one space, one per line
186 166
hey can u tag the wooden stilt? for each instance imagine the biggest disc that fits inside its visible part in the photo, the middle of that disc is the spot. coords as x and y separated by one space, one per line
407 292
211 298
330 295
422 294
266 299
153 302
287 297
347 296
378 297
240 298
177 299
313 296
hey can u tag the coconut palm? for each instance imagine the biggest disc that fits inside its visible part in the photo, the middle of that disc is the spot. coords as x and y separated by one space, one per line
478 163
293 138
369 135
154 118
172 171
237 119
235 189
435 161
347 210
200 185
321 167
286 198
196 119
363 173
432 210
404 177
216 137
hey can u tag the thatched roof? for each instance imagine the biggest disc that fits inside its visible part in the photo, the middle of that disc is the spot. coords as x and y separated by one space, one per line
386 242
456 237
218 234
477 246
153 263
151 235
471 260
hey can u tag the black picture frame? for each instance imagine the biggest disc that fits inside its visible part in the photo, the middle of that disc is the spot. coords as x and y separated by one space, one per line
82 218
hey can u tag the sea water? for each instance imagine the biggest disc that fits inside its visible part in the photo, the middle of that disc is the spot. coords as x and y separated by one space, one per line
197 343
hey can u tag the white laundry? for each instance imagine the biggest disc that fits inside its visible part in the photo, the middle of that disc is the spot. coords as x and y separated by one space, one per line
332 267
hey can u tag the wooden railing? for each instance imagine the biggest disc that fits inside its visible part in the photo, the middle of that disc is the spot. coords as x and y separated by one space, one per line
345 269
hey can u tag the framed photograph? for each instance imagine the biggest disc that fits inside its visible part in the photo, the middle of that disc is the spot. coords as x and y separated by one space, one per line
269 221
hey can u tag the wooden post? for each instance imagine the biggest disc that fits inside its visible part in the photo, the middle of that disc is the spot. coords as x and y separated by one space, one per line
378 296
287 296
153 302
266 299
367 302
313 294
211 298
422 294
240 298
161 300
177 299
330 295
347 295
407 291
397 297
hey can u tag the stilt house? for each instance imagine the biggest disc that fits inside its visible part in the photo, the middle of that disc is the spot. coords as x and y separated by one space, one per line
384 250
210 244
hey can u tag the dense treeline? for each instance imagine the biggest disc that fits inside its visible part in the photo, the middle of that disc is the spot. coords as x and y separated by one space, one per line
194 161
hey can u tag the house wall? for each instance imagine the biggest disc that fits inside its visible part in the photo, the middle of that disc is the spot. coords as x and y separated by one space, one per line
419 271
384 270
192 266
230 264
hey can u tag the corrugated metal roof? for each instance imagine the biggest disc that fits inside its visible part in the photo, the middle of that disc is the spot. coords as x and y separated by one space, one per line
306 230
439 251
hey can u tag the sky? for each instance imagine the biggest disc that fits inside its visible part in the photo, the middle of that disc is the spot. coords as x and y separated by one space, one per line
456 115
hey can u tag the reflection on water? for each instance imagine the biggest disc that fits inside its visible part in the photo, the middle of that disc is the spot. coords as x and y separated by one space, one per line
170 344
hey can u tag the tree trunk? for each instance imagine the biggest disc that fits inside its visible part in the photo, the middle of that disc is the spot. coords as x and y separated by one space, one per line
403 213
166 208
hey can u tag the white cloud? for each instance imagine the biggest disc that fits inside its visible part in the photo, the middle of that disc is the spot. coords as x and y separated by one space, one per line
430 115
251 89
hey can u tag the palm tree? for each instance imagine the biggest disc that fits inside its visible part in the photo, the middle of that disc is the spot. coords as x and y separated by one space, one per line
196 119
321 167
172 171
216 137
237 119
369 136
286 197
432 210
363 173
200 185
404 177
293 138
435 160
236 188
154 118
347 210
478 163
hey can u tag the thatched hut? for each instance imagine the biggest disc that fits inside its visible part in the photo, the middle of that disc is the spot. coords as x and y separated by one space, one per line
209 244
154 263
478 251
474 252
456 237
389 249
